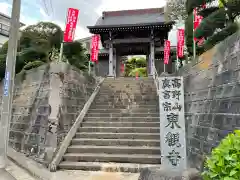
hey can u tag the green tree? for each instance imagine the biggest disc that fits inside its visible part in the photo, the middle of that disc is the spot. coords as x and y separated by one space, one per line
136 64
75 54
40 43
217 24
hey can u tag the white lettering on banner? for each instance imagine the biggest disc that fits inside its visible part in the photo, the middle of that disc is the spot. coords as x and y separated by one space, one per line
172 124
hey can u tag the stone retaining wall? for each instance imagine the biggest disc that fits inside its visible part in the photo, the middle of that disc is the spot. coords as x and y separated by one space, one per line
212 97
47 101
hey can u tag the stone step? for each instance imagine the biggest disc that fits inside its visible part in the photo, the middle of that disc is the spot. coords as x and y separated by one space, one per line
132 81
134 93
114 149
153 136
117 99
122 158
123 119
127 106
128 87
117 115
107 109
125 103
120 124
115 142
120 129
107 167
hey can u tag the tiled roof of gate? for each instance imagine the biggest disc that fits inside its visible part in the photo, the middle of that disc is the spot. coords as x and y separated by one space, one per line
131 17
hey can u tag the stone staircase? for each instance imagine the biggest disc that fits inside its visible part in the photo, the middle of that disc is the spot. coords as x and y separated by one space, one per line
120 130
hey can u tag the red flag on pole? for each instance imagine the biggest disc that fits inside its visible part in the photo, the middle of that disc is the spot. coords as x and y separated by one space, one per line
71 25
166 51
197 19
180 43
95 48
122 67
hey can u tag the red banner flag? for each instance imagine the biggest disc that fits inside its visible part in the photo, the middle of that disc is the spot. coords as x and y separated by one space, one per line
122 67
95 48
180 43
197 19
166 51
71 25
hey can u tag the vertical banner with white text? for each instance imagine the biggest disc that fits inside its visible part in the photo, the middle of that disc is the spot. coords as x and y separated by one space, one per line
71 25
167 46
197 19
95 48
172 124
180 43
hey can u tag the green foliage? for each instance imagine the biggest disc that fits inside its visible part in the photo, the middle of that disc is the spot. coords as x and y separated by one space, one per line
207 11
234 7
218 23
4 48
39 42
142 72
224 162
189 33
209 24
216 38
32 65
47 31
134 65
191 4
74 52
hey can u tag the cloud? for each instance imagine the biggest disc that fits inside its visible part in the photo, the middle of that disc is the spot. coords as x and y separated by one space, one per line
33 11
56 11
110 5
5 8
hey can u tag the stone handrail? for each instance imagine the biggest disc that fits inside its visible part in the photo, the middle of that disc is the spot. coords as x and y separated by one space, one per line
155 77
67 140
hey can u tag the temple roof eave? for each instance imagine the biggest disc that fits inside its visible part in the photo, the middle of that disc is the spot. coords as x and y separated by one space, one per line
146 26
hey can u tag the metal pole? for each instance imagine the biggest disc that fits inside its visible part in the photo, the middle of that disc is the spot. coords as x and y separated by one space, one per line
89 67
61 52
194 44
194 49
7 98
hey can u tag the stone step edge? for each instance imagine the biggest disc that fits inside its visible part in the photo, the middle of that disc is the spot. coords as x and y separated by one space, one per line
102 133
115 147
100 127
127 122
118 117
93 139
123 113
105 155
106 167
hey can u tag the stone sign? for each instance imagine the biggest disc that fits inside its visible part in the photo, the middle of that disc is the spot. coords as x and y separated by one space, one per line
172 123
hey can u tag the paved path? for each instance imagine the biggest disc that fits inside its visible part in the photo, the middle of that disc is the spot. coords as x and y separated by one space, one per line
21 174
17 172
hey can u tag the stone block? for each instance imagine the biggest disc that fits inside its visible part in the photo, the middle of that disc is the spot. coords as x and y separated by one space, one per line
161 174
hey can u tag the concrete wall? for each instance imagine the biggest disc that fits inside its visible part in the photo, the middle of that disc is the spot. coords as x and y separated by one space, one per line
46 103
212 97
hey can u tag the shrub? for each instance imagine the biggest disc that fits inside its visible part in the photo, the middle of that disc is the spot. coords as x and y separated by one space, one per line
224 162
32 65
142 72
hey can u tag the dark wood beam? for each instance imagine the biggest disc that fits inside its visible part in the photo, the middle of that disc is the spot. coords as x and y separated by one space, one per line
131 40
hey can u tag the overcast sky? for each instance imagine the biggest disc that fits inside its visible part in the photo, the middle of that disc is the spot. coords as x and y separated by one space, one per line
33 11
